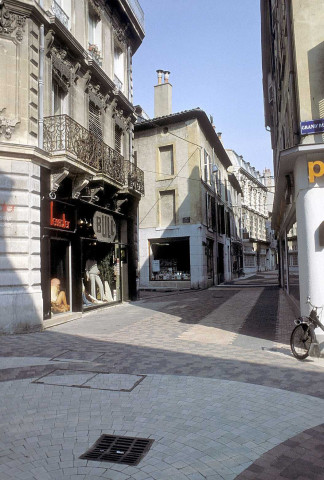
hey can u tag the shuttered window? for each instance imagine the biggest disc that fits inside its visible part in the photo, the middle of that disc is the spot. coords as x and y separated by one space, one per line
95 125
118 139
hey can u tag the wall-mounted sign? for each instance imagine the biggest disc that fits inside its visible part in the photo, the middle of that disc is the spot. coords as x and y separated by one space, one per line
315 169
104 227
312 126
61 216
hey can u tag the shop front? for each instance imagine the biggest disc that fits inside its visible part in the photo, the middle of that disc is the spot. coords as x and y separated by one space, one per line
170 262
83 258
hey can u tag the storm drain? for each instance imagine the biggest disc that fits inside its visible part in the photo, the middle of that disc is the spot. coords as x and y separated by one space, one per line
112 448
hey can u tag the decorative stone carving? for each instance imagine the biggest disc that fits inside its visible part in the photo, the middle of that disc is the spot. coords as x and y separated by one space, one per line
79 183
56 179
11 22
63 70
95 8
96 97
7 125
121 33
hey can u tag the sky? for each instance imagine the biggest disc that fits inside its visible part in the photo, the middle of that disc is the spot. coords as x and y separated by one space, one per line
213 50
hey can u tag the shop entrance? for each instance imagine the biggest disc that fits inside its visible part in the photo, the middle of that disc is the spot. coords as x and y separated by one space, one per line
60 274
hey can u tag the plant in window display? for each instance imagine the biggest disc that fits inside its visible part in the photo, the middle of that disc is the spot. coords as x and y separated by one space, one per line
106 267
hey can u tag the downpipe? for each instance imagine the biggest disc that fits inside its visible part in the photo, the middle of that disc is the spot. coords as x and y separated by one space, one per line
41 87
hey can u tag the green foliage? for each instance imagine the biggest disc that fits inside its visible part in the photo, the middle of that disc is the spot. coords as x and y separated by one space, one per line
107 269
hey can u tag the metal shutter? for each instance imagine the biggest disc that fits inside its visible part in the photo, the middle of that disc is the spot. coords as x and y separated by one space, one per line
95 126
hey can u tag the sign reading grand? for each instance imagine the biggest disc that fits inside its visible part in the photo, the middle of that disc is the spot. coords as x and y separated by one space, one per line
312 126
104 227
315 169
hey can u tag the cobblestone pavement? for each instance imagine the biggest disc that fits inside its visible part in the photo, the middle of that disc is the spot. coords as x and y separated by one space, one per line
207 374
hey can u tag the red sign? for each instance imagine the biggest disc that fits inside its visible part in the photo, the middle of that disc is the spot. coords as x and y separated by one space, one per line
59 222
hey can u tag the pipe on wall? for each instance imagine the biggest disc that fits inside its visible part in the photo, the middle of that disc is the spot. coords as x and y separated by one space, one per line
41 87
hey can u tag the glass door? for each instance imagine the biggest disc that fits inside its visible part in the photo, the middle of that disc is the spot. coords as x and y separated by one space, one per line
60 270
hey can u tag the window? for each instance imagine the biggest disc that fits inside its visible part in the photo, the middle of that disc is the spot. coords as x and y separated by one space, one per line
207 172
95 125
59 99
210 211
94 36
166 160
167 208
119 68
249 260
118 139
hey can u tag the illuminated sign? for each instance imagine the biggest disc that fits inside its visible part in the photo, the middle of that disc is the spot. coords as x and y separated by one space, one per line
104 227
59 217
315 169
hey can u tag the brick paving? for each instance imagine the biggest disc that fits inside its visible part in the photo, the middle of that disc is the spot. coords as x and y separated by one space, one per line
219 390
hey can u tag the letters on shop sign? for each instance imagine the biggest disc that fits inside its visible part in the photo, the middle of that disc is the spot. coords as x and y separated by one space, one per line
104 227
315 170
58 222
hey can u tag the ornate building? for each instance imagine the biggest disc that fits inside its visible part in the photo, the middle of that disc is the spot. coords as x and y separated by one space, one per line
259 248
69 187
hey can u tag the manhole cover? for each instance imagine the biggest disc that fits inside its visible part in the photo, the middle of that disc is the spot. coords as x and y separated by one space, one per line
112 448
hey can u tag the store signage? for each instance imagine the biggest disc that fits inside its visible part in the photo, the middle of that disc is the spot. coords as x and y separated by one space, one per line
312 126
156 266
315 169
60 217
104 227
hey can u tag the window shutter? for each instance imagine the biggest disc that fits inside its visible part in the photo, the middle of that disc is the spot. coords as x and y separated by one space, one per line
118 139
95 125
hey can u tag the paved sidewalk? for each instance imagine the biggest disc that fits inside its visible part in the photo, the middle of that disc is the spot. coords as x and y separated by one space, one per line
207 374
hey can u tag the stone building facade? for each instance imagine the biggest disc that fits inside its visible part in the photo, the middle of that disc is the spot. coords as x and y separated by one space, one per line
186 219
256 204
69 188
293 63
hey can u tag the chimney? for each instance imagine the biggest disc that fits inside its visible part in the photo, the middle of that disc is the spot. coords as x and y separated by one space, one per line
162 95
219 134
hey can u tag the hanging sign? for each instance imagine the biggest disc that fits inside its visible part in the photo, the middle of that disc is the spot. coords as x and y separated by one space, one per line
104 227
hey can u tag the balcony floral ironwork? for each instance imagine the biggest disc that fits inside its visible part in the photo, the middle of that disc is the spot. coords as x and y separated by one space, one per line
63 134
60 14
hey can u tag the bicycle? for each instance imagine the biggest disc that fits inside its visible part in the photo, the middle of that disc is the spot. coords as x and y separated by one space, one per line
303 335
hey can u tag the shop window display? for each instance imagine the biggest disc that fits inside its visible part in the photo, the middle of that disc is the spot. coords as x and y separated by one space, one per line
101 273
170 259
60 276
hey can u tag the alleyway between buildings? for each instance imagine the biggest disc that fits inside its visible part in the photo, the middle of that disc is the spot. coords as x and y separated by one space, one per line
208 375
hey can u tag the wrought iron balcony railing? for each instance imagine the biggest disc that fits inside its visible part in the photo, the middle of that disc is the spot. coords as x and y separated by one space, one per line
63 134
118 83
137 11
60 14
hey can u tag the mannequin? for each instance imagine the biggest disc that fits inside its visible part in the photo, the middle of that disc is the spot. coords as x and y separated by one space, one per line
92 274
58 297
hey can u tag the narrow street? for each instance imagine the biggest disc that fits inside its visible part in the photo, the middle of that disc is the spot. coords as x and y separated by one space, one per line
207 374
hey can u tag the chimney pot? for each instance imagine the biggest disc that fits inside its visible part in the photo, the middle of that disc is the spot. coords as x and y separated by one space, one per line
166 76
159 74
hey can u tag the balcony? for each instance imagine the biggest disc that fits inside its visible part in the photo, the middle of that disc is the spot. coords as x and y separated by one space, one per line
137 11
64 135
118 83
60 14
95 53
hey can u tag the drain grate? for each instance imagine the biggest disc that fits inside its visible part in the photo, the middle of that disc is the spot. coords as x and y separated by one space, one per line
116 449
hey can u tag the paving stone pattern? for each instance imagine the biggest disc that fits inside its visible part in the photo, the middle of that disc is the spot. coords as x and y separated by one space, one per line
219 391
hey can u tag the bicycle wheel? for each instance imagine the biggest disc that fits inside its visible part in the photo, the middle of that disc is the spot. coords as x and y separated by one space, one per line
300 341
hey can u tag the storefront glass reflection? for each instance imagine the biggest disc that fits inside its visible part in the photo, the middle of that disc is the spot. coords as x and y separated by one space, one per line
100 273
293 267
